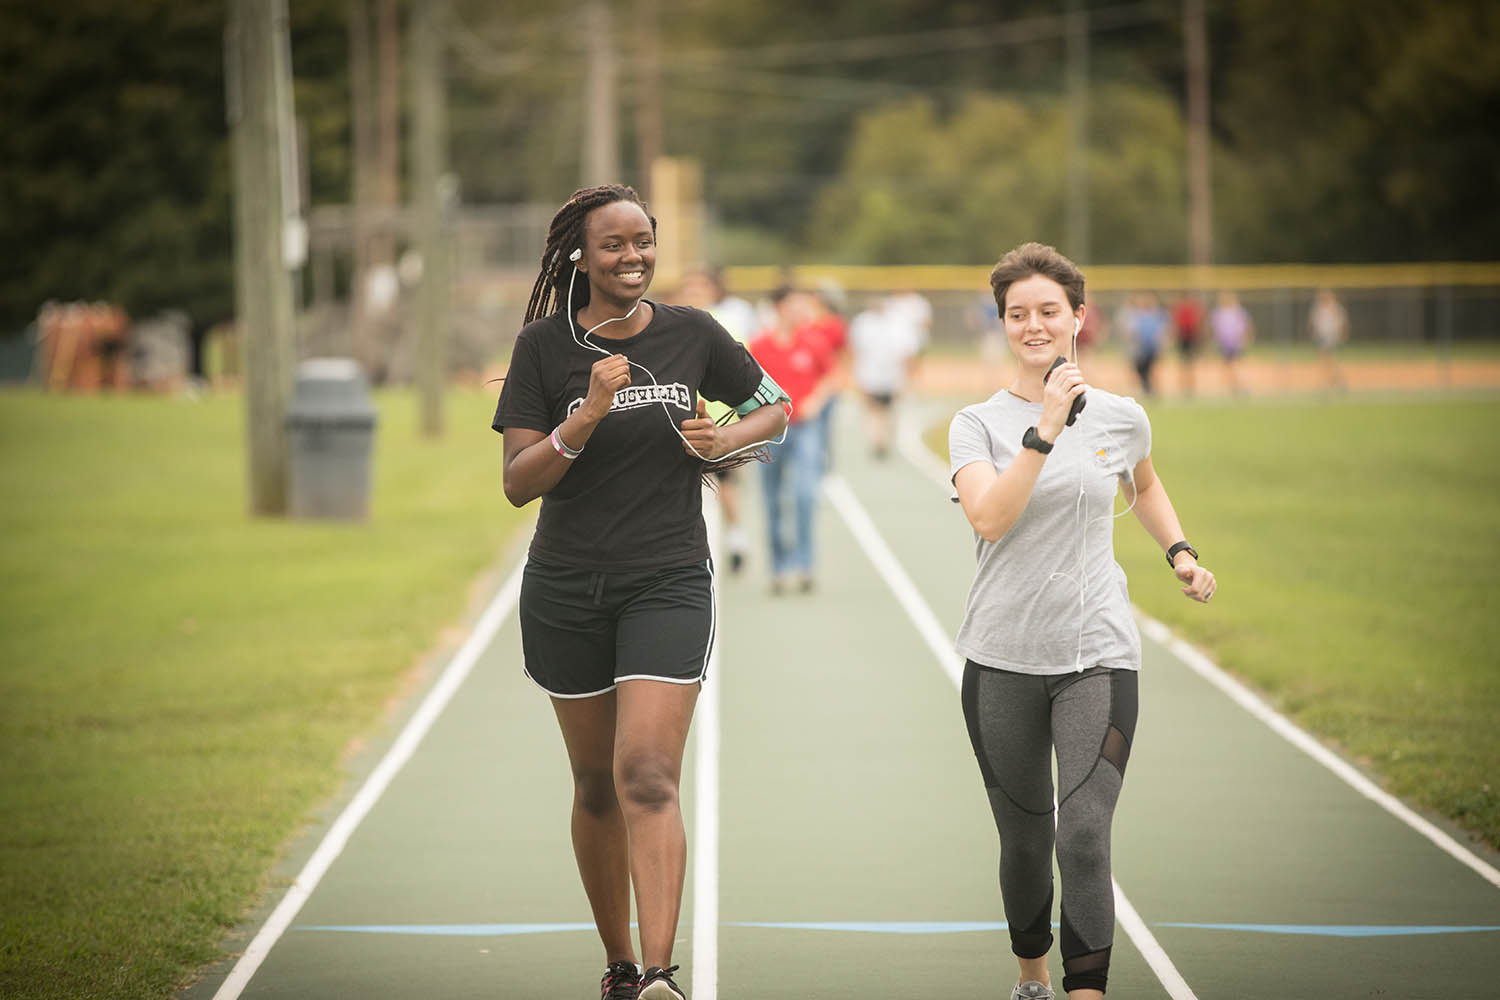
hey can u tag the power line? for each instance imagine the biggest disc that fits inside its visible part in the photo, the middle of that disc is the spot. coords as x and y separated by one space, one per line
1018 31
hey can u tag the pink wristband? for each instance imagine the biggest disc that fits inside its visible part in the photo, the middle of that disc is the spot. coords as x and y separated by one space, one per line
562 449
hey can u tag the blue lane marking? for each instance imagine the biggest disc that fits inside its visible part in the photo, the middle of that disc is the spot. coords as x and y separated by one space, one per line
900 927
1324 930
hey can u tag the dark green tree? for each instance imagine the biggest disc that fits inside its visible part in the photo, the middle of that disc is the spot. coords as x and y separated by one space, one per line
114 161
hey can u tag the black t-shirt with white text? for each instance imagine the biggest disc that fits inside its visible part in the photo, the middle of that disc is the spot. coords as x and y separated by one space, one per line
633 500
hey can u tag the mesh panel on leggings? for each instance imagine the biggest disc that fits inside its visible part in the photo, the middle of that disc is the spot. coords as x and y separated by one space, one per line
1086 972
1115 750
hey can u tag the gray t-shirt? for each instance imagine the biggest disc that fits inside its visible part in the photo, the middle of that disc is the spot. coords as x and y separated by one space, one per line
1048 597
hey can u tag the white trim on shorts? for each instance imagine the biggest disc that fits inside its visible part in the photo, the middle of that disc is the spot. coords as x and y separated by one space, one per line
713 628
554 694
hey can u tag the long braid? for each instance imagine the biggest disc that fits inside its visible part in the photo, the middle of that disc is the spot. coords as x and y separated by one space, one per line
564 236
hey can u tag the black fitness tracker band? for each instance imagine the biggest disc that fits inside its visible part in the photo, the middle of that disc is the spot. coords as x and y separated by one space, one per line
1031 439
1182 546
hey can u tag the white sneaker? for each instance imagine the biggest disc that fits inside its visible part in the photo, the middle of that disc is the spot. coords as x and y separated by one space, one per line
1032 991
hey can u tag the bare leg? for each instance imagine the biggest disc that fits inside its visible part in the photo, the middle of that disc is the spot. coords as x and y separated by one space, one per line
1034 970
729 501
600 843
650 734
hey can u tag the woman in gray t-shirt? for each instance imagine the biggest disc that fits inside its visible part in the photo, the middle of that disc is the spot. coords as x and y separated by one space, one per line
1051 645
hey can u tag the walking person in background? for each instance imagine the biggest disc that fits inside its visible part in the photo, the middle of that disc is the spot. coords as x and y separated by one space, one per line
883 350
1187 324
1233 333
911 310
705 289
825 328
802 366
617 610
1088 334
1329 323
1150 329
1051 644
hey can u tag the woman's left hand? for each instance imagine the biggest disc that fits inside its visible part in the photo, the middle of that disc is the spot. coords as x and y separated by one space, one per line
702 437
1200 582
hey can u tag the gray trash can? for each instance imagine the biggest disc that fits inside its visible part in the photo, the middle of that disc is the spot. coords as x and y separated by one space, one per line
331 426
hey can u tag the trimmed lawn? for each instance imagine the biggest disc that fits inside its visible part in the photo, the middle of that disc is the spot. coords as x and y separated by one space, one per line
179 682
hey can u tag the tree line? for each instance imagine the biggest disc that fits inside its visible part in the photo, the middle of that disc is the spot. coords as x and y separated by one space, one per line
879 131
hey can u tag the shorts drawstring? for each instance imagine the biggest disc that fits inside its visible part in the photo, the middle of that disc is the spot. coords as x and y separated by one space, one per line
598 586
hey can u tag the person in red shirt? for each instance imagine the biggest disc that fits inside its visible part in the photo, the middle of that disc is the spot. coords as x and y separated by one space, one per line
1187 321
797 356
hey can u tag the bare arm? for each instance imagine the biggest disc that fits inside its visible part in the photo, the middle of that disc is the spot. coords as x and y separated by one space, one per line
1153 508
709 441
531 465
993 500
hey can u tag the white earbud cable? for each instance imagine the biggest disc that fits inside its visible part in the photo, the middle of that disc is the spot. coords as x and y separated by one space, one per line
1081 511
584 343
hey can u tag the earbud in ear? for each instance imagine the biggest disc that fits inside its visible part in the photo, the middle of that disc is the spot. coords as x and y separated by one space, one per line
1077 325
575 255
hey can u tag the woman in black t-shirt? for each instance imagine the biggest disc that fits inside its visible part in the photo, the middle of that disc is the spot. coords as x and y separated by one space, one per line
616 600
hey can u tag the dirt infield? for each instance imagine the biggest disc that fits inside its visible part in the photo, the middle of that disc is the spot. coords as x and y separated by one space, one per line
1259 377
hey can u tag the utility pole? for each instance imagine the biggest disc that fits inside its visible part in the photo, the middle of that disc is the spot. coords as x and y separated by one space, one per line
1077 210
648 117
1200 183
434 193
601 144
387 129
257 31
362 119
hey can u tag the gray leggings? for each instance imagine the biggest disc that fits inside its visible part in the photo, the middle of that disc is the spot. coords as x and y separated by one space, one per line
1015 722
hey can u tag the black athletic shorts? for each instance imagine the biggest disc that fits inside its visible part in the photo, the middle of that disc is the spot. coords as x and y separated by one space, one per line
582 632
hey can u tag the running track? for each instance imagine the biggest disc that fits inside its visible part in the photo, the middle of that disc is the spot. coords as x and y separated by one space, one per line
841 844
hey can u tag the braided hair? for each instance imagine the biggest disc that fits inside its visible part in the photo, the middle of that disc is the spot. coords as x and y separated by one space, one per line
563 237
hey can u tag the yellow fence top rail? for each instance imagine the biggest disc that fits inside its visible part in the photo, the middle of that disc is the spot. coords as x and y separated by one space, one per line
1106 278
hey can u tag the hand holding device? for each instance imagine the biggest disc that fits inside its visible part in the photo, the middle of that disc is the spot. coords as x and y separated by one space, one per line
700 435
1077 400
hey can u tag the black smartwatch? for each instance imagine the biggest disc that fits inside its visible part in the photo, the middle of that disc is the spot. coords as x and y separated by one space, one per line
1031 439
1182 546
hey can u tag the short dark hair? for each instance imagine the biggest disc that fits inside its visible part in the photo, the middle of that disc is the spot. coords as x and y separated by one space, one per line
1036 258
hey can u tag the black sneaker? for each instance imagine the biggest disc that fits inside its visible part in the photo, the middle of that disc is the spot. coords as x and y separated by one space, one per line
622 981
657 985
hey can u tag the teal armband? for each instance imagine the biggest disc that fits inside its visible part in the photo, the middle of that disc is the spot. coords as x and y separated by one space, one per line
765 394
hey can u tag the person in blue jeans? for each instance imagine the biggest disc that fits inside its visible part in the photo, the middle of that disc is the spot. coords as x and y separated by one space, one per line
794 355
797 466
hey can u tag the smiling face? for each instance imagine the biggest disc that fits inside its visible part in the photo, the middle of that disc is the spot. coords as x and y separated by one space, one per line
619 252
1038 321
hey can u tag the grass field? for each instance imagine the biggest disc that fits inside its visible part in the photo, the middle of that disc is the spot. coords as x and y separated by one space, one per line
1357 545
178 681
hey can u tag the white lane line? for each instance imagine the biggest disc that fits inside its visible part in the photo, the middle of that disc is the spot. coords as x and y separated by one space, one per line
916 608
1154 954
1308 744
705 984
909 443
890 568
375 785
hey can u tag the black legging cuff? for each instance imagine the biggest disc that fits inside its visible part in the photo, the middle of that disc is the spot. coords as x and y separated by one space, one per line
1089 971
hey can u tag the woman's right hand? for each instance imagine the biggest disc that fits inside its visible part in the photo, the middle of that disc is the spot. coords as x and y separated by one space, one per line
1064 385
607 377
